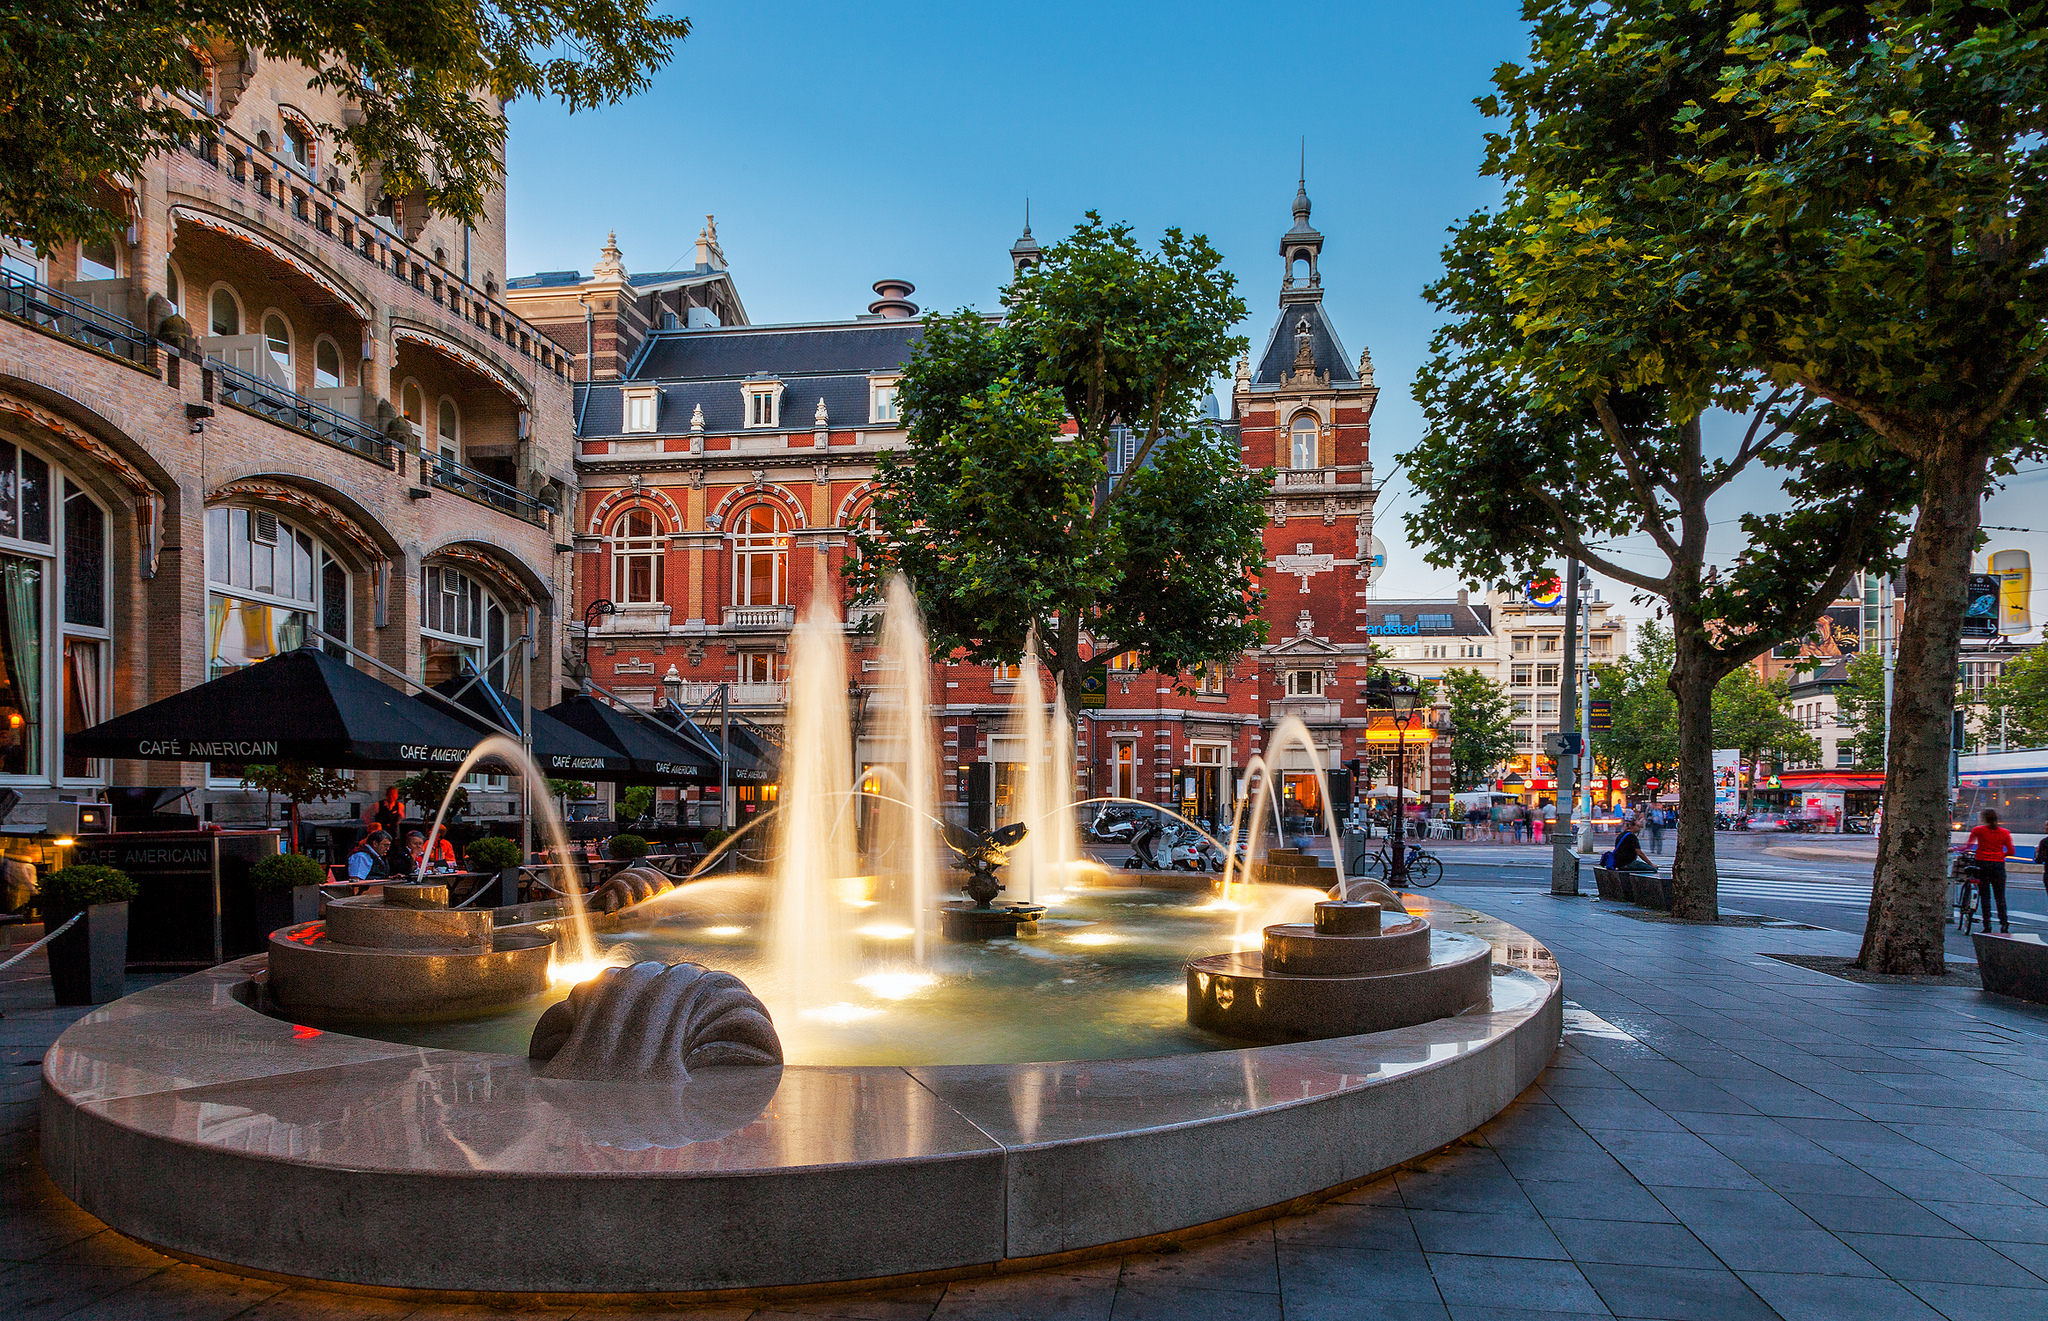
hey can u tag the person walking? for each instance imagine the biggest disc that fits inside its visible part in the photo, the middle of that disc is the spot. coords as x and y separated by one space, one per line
1656 816
1990 844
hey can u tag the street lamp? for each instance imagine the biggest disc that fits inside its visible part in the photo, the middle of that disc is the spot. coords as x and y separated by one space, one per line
595 611
1401 698
672 687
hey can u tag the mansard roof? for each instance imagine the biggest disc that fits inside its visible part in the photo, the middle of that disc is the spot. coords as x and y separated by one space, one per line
1447 619
1278 358
881 345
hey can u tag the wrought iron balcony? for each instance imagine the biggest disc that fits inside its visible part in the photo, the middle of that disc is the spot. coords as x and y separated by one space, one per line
453 475
760 616
287 408
60 314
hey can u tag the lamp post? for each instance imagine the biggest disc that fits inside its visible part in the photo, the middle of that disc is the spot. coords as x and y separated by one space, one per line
1401 698
595 611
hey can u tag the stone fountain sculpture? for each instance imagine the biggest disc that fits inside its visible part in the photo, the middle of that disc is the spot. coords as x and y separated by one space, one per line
980 855
634 885
654 1022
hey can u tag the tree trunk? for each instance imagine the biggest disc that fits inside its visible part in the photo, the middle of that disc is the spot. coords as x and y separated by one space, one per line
1072 667
1695 882
1909 902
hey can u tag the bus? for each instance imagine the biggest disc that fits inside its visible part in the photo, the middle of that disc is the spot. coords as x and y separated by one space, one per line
2012 784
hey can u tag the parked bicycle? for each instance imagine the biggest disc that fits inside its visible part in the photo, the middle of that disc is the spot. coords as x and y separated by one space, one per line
1424 868
1962 874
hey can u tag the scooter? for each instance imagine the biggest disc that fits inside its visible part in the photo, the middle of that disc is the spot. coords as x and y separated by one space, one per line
1112 827
1144 851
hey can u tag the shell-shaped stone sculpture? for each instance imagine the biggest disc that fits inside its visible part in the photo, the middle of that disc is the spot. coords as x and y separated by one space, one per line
1378 892
632 886
654 1022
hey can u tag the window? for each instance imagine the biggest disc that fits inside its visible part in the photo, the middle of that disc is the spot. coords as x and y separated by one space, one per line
99 259
1598 646
462 626
1303 433
277 338
1521 676
1391 620
1522 645
1549 643
1434 623
1521 706
761 406
448 426
326 364
226 311
39 549
1546 676
1123 770
757 667
637 559
761 556
1845 756
1212 680
1304 683
266 582
298 146
884 409
413 404
173 288
1522 736
641 407
1126 662
1546 706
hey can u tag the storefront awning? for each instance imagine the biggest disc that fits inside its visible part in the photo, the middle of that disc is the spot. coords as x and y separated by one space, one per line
1388 734
1826 780
658 756
562 752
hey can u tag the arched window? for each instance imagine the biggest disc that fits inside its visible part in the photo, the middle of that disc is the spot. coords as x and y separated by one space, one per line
99 259
266 581
462 626
413 404
277 339
761 556
226 311
54 640
1305 451
298 145
326 364
449 426
637 558
174 288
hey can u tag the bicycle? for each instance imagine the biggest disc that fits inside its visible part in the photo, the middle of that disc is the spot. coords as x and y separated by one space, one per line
1424 868
1963 872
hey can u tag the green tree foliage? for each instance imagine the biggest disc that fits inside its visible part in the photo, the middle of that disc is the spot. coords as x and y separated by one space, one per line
1482 724
426 789
1859 705
1750 716
1853 200
1008 523
2016 703
1644 738
88 90
635 803
298 784
573 790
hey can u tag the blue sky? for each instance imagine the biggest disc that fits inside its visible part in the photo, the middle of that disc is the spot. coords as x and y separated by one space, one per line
838 144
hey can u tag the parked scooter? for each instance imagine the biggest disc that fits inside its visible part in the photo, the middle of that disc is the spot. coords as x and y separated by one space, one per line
1112 826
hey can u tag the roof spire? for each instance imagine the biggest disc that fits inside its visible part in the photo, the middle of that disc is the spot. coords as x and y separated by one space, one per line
1301 248
1025 252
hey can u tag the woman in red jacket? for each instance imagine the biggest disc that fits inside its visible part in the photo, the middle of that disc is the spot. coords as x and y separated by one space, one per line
1990 844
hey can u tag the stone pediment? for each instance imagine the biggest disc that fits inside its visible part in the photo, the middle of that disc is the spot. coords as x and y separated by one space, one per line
1304 647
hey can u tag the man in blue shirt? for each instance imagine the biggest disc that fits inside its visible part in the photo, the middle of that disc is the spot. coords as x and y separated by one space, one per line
367 862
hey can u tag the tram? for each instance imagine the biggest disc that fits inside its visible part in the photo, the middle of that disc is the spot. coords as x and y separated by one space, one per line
2012 784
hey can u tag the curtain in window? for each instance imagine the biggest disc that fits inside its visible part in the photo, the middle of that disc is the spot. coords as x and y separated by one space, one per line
81 696
21 595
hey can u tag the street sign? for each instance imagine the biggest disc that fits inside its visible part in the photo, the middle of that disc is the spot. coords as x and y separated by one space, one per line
1562 745
1600 715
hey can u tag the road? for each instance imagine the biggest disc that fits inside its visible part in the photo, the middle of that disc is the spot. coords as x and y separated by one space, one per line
1756 877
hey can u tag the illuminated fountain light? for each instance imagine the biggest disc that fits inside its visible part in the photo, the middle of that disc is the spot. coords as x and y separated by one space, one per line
1095 938
884 931
896 985
724 931
840 1013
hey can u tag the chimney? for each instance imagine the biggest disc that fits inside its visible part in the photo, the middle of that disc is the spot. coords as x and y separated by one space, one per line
1461 597
894 303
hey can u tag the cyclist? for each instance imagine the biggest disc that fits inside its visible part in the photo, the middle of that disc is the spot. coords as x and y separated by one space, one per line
1990 844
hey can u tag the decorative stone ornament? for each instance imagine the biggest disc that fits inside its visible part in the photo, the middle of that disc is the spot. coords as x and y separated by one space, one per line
654 1023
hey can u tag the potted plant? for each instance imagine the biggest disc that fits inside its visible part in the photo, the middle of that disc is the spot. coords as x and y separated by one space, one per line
626 847
501 855
89 962
287 890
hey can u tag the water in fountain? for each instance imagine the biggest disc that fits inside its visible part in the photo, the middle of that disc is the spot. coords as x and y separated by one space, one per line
905 829
1264 799
1046 859
812 946
575 947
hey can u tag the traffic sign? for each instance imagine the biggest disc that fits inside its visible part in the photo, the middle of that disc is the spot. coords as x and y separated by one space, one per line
1563 745
1600 715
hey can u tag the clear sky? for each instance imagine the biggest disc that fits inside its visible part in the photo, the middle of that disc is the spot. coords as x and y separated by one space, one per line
839 144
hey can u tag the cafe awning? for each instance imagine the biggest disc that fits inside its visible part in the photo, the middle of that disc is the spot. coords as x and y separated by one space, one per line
562 752
657 756
303 706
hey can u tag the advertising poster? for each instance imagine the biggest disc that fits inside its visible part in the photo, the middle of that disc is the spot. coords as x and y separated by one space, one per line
1836 636
2015 573
1727 780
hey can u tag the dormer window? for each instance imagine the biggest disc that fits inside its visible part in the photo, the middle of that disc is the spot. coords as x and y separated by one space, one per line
642 406
763 402
883 394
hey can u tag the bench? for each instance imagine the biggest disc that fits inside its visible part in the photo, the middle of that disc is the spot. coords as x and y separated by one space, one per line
1645 889
2013 965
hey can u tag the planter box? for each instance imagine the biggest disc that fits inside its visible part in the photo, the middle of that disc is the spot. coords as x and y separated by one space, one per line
286 908
89 963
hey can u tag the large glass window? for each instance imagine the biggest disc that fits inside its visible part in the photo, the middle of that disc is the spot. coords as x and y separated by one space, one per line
637 559
326 365
267 581
462 626
53 639
1306 452
277 337
761 557
226 312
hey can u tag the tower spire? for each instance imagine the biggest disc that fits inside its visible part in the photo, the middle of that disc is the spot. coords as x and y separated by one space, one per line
1025 252
1301 247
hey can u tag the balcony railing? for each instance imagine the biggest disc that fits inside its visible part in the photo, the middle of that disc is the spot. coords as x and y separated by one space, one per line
61 314
760 616
287 408
451 475
739 694
1308 476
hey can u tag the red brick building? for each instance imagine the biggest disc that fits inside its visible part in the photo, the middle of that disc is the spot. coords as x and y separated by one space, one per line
723 463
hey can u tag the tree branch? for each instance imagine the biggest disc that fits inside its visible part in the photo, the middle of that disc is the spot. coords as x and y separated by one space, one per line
1578 547
1646 499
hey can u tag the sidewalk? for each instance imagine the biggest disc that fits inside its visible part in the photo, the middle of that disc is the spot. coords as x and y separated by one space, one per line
1722 1135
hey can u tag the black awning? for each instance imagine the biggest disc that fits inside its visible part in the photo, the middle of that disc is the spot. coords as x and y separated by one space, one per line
658 756
562 752
302 706
752 759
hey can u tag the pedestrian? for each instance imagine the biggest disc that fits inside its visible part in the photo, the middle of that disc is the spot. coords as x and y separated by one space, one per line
1656 815
367 862
1536 819
1990 844
1521 823
390 814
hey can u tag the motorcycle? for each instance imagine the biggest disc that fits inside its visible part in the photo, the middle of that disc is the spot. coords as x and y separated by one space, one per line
1112 827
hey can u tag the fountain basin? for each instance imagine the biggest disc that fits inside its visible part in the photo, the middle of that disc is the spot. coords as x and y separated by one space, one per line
1297 949
966 921
1240 996
362 920
185 1118
321 979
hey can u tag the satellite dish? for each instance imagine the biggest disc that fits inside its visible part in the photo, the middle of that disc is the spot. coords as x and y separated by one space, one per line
1378 564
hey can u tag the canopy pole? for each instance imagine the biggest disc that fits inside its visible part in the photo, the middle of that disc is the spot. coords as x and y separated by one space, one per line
403 677
526 738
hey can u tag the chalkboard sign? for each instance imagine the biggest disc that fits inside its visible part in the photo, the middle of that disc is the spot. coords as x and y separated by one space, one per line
194 907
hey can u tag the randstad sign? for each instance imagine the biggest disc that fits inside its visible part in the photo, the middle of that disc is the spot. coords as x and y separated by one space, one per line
1389 630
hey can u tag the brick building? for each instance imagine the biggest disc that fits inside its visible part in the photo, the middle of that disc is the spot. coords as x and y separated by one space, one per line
722 464
282 397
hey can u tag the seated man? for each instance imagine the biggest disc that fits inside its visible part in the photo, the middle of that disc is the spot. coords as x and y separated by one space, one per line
1628 854
367 862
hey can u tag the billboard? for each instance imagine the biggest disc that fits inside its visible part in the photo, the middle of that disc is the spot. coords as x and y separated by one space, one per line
1981 606
1837 635
1727 780
2015 573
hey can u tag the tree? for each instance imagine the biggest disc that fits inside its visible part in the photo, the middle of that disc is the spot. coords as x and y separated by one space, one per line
1009 525
297 783
635 803
1482 724
1852 199
426 789
1643 739
1538 442
88 89
1859 705
2013 708
1750 716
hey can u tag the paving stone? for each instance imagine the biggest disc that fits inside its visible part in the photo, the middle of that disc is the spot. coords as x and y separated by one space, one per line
1539 1286
1835 1297
1676 1293
1629 1243
1164 1302
1872 1215
1979 1302
1950 1260
1486 1234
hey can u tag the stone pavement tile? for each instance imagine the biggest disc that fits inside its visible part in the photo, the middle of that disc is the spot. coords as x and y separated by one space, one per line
1674 1293
36 1292
1789 1149
1331 1273
2002 1159
1979 1302
1979 1188
1484 1234
180 1293
320 1305
1243 1262
1368 1308
1699 1097
1350 1227
1994 1224
1872 1215
1539 1286
1813 1250
1511 1312
1165 1302
1687 1172
1037 1296
108 1248
1714 1123
1837 1176
2033 1256
1436 1191
1558 1163
35 1219
1620 1199
1798 1297
1624 1243
875 1305
1951 1260
2037 1189
1380 1192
